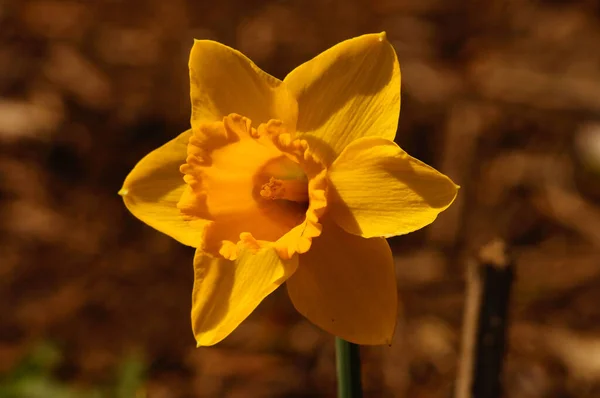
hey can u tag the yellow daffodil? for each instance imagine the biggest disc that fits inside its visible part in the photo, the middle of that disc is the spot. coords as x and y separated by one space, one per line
294 181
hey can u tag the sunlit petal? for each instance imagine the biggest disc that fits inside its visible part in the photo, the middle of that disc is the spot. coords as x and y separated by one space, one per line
352 90
377 189
346 285
224 81
153 188
226 292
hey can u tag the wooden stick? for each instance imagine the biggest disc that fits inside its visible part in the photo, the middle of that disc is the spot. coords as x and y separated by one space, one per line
484 329
464 380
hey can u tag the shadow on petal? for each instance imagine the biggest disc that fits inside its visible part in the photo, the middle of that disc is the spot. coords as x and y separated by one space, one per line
227 291
378 189
349 75
220 275
349 223
439 193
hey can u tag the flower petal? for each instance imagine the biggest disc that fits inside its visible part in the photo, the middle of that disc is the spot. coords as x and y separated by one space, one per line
153 188
224 81
351 90
226 292
346 285
377 189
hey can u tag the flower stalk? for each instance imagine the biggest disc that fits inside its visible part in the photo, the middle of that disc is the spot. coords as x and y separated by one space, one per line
348 369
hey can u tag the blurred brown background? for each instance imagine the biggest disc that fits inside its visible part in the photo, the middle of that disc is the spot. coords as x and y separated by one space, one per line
501 95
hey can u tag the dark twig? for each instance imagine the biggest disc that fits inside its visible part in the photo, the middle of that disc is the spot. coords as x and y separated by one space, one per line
464 380
484 334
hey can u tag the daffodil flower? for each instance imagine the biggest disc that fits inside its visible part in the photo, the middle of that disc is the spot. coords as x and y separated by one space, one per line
296 181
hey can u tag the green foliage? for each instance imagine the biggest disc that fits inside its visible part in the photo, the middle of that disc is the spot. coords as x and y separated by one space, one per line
34 377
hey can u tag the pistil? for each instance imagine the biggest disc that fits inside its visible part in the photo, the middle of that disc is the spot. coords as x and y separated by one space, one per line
293 190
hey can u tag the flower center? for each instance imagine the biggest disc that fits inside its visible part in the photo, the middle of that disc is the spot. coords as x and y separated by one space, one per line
252 187
293 190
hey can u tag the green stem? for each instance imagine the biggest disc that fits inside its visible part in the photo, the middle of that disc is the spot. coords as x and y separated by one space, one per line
348 369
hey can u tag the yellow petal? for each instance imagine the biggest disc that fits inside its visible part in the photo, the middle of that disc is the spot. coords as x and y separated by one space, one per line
377 189
224 81
226 292
153 188
351 90
346 285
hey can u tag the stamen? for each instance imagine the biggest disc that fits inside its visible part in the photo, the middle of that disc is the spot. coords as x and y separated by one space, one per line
294 190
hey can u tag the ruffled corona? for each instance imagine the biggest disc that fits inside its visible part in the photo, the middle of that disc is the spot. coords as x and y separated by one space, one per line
253 187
